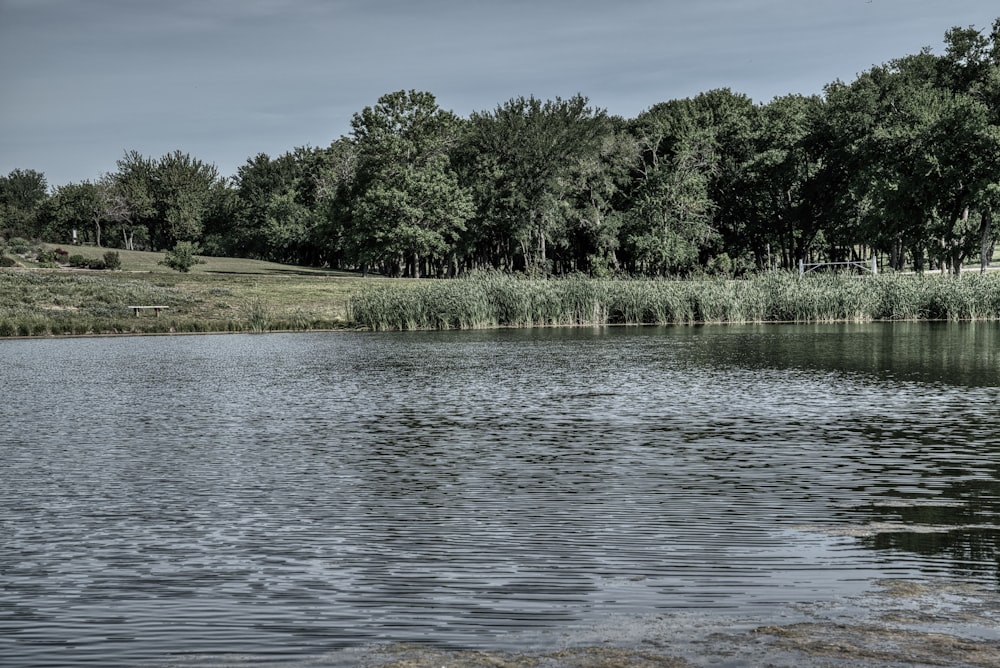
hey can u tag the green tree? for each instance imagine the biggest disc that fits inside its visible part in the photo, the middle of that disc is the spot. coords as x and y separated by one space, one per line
595 184
22 193
331 176
80 205
526 156
924 139
786 177
284 205
135 198
407 206
690 198
258 181
183 188
671 213
167 199
971 67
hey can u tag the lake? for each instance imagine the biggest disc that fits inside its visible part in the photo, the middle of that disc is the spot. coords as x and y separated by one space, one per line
716 494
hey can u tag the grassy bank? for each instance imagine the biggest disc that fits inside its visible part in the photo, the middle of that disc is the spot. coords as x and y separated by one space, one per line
222 295
504 301
237 295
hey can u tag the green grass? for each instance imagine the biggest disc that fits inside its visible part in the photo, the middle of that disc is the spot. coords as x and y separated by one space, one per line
239 295
222 295
149 262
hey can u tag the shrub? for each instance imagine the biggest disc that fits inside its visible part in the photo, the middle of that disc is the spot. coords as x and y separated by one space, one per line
19 246
112 260
46 257
80 262
183 256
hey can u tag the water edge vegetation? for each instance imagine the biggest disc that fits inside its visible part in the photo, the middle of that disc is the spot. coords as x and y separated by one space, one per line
232 295
498 300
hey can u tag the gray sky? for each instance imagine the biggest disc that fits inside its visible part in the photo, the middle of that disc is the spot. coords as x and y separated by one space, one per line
83 81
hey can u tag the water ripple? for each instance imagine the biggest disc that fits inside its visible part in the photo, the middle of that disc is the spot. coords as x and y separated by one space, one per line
287 495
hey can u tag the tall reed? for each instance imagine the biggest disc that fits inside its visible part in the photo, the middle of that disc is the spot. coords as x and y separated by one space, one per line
497 300
257 315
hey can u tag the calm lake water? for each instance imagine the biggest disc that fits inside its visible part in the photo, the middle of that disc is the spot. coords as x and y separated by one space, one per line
310 499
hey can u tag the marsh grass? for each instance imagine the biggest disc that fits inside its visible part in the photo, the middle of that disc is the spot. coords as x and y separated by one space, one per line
494 300
62 302
257 314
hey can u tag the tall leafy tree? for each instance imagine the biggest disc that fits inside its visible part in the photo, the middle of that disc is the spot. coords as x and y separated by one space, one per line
731 120
671 213
594 186
75 207
688 201
926 143
22 192
69 208
787 176
134 188
183 188
168 199
407 207
285 209
971 67
331 175
260 183
526 152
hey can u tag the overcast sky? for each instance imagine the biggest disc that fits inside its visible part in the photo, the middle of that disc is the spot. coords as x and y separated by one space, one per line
83 81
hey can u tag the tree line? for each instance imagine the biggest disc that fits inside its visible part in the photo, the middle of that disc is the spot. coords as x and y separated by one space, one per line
903 162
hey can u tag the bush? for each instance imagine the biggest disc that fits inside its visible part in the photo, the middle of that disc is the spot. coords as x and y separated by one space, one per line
6 261
80 262
19 246
183 256
46 257
112 260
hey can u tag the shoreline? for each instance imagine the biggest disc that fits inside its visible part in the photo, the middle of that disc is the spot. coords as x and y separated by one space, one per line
53 303
354 329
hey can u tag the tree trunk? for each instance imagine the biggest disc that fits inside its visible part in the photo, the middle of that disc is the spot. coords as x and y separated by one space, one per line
957 257
541 247
918 258
957 251
985 240
896 254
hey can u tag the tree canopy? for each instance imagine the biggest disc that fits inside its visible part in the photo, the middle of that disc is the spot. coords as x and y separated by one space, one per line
903 162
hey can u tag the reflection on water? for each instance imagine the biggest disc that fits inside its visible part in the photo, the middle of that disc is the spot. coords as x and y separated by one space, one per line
290 495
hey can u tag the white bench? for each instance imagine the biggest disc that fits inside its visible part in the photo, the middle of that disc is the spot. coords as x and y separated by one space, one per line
156 309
